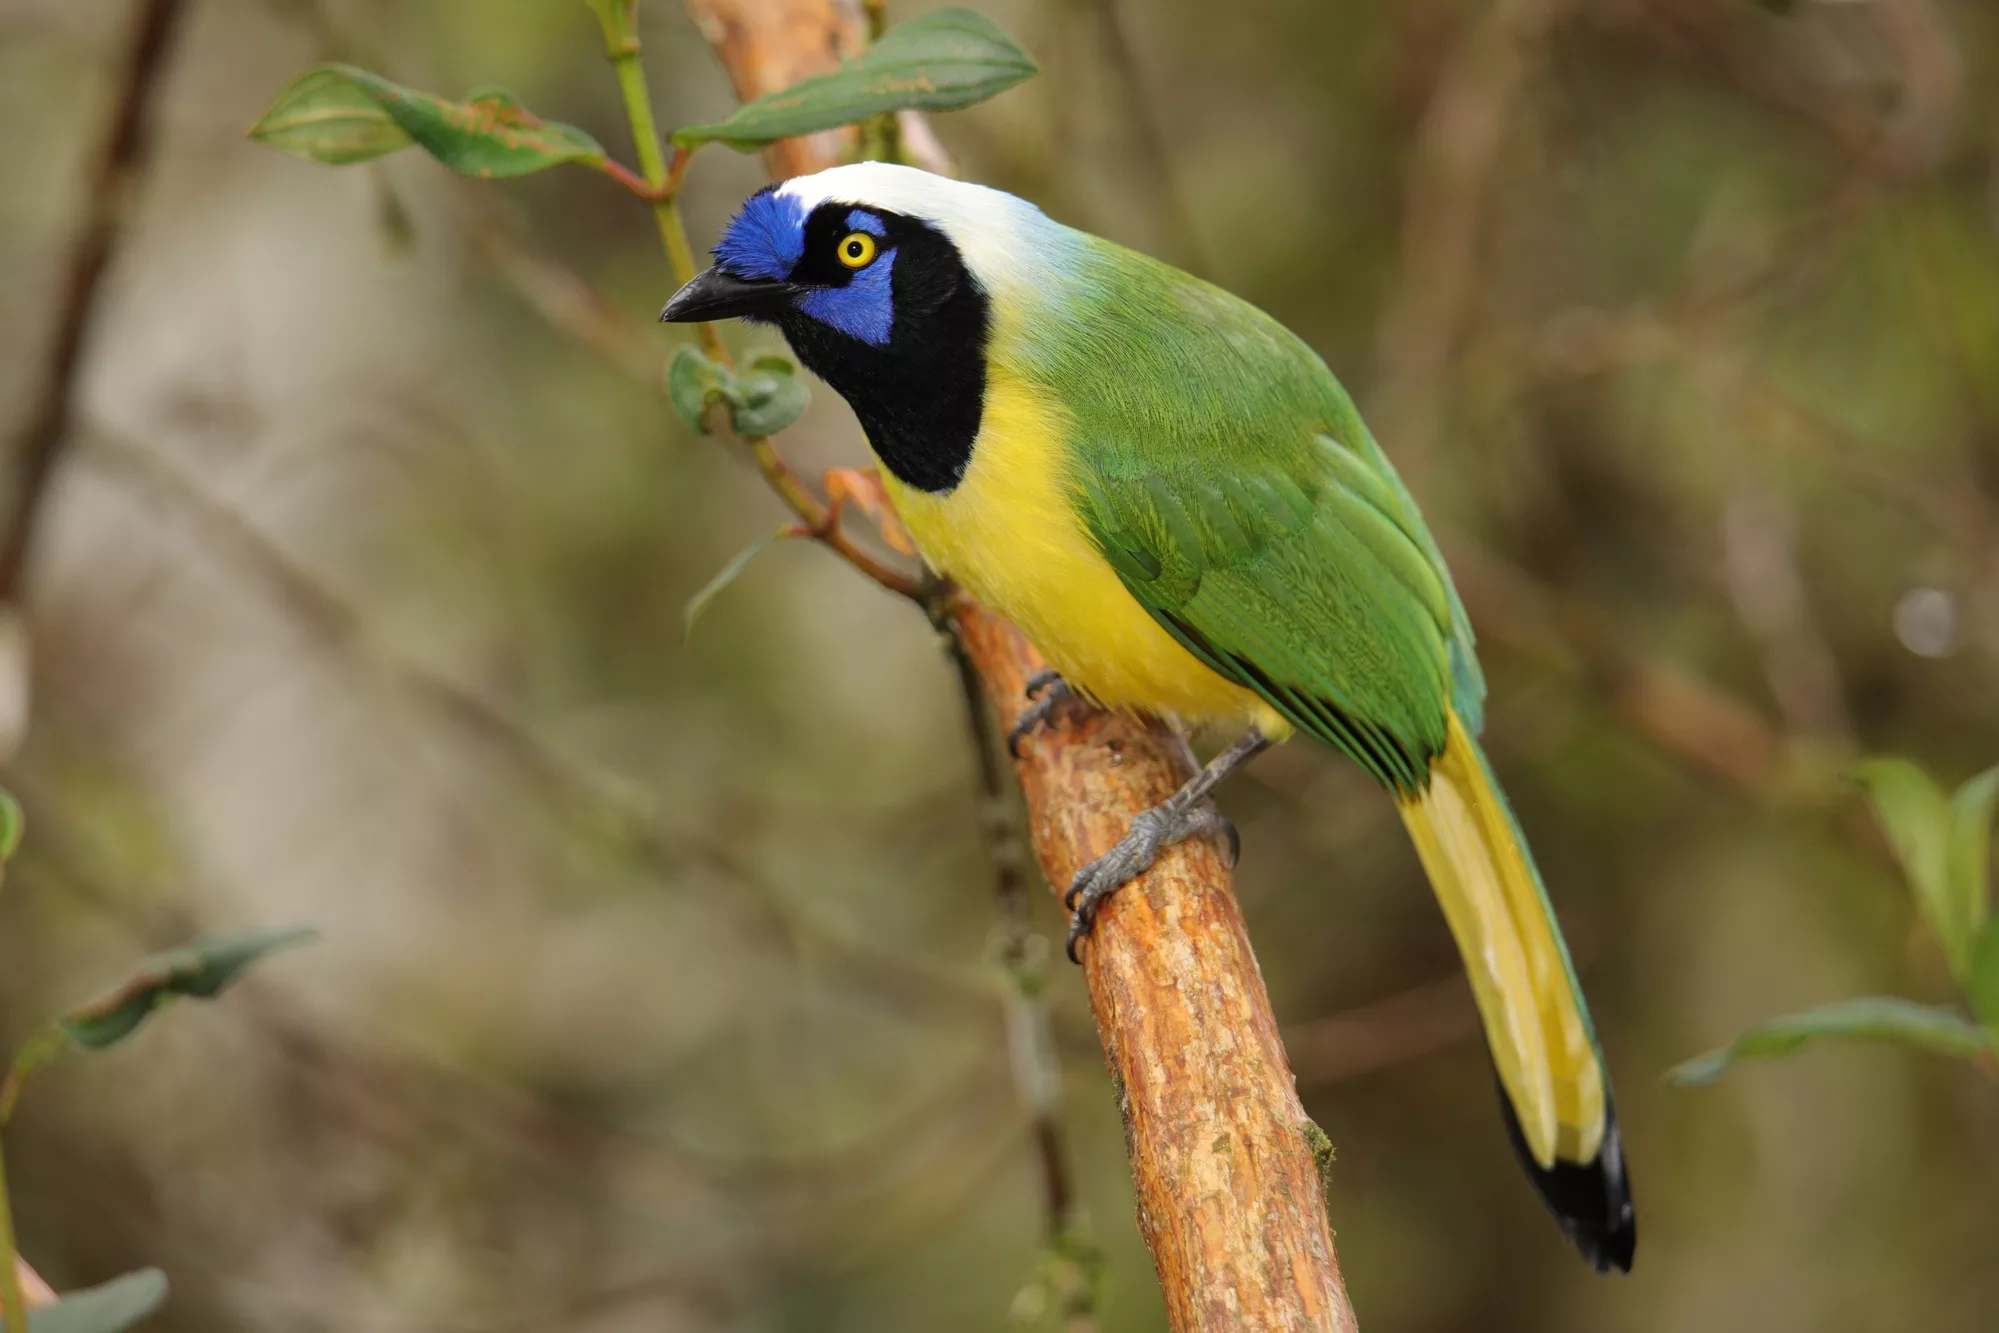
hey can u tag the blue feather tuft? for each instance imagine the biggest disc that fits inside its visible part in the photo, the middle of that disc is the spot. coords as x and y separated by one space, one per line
766 239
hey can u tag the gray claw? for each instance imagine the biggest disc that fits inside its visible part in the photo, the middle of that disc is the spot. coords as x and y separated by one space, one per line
1151 832
1049 693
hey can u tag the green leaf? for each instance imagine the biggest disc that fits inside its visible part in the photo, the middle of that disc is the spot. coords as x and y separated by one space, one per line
694 384
1983 988
1877 1018
1968 855
1913 812
769 397
766 398
201 970
698 603
940 61
13 825
110 1308
340 114
325 116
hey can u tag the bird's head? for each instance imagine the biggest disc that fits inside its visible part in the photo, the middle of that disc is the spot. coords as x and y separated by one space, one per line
881 278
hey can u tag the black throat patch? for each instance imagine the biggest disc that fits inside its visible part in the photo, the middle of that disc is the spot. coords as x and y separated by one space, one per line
921 395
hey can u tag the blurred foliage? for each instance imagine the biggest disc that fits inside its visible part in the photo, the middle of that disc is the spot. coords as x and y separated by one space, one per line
1945 848
107 1308
656 990
201 970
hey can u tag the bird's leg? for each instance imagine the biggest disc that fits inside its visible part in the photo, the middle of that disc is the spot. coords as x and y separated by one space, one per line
1184 814
1048 694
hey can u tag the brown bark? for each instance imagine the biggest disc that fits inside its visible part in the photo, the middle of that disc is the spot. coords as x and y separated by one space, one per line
770 44
1228 1169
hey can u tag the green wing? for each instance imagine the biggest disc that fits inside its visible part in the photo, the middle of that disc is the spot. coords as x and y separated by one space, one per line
1228 479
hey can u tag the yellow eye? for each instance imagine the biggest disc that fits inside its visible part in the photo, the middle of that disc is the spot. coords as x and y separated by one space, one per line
857 250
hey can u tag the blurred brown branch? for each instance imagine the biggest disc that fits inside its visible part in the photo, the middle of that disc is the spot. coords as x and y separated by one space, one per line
1141 119
1451 175
1226 1163
1384 1032
574 789
1037 1069
107 208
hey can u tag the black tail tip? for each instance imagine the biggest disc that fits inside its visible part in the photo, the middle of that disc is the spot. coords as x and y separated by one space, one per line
1591 1201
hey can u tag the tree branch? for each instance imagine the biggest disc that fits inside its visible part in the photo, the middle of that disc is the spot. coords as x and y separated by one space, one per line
106 209
1228 1168
1230 1172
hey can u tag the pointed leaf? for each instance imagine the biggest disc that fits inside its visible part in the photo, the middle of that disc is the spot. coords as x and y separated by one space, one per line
863 487
698 603
13 825
1968 855
1913 813
940 61
110 1308
1983 988
341 113
201 970
694 384
1878 1018
769 397
325 116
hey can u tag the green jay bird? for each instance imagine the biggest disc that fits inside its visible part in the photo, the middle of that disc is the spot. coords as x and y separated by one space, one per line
1178 503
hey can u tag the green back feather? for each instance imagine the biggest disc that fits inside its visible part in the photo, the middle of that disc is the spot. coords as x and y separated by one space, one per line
1228 479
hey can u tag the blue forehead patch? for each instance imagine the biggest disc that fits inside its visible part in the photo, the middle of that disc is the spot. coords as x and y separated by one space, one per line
766 239
867 222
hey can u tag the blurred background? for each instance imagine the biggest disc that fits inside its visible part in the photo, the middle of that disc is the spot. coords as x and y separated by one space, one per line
657 988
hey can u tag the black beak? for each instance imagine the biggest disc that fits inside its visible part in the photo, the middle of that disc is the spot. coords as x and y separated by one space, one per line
719 295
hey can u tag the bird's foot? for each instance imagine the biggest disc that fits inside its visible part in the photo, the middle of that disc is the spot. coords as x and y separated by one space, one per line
1048 694
1175 820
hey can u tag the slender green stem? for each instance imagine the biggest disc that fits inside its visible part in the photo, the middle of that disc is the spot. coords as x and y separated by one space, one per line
662 180
12 1302
638 110
673 235
881 136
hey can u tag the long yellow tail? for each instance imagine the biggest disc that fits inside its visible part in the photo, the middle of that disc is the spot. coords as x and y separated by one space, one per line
1551 1076
1535 1023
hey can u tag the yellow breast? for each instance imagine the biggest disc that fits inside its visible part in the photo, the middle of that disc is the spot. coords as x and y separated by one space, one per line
1009 533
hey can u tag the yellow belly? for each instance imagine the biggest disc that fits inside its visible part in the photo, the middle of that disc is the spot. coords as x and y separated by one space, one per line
1009 534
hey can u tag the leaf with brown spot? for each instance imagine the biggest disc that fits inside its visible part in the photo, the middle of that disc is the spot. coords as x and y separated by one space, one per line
340 114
